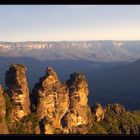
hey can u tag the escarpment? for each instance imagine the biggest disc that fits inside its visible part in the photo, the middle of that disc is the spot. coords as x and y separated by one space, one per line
16 82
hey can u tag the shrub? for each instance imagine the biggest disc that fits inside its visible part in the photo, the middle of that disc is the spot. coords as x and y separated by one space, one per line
26 125
9 107
114 123
97 128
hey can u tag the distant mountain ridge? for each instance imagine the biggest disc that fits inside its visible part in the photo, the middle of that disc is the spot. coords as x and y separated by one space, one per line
99 51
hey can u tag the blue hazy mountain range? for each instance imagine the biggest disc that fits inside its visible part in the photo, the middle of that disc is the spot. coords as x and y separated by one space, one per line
112 68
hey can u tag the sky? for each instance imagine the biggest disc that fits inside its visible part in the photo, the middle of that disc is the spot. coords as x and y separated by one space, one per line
69 22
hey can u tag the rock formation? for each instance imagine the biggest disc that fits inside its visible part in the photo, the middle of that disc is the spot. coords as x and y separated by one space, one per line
3 126
117 108
52 101
58 107
99 112
79 116
18 91
63 107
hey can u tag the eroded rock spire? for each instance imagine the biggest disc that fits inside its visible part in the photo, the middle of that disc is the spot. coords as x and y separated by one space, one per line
79 116
52 101
16 82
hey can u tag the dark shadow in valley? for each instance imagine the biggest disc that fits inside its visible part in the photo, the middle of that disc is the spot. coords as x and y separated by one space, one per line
114 82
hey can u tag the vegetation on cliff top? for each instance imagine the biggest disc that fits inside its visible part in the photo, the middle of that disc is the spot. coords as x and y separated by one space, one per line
125 123
26 125
9 106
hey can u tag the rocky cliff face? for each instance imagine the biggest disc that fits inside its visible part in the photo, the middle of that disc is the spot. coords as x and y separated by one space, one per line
18 91
63 107
52 101
79 116
3 126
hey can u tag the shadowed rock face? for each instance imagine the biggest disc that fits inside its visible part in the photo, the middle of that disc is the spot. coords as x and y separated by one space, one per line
52 101
79 115
18 90
3 126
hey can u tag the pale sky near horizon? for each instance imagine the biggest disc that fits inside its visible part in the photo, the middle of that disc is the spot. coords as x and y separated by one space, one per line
69 22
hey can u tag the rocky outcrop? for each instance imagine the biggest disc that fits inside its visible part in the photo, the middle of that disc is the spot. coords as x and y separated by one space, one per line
60 107
3 126
79 115
117 108
52 101
63 107
18 91
99 112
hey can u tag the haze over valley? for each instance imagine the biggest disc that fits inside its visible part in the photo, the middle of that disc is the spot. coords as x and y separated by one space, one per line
111 67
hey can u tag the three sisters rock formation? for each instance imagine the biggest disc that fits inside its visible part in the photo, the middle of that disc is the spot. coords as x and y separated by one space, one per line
61 107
